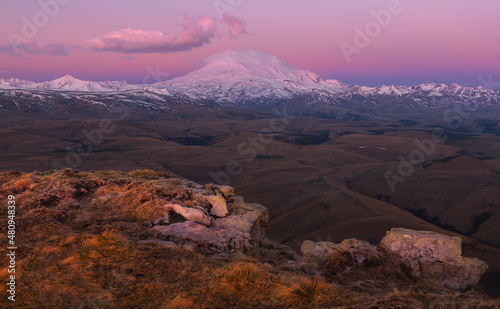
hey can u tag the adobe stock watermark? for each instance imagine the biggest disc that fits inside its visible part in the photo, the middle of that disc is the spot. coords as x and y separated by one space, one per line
11 247
363 36
425 148
223 6
252 146
157 75
31 26
489 83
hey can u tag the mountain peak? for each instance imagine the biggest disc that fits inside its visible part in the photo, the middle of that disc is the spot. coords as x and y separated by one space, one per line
234 66
248 58
67 78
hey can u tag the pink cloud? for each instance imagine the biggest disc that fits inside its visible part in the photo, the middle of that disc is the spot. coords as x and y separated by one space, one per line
7 49
196 33
38 48
236 25
45 48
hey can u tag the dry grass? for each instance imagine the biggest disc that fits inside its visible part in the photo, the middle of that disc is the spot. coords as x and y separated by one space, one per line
304 292
150 174
383 265
78 233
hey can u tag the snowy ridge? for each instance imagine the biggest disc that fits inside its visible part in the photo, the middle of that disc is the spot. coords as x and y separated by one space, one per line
256 78
13 83
65 83
69 83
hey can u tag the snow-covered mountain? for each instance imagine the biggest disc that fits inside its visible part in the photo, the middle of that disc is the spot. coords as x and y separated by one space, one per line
69 83
65 83
431 90
14 83
257 79
249 76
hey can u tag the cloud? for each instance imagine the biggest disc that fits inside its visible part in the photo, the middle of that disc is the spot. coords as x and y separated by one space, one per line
50 47
8 49
236 25
196 33
127 57
44 48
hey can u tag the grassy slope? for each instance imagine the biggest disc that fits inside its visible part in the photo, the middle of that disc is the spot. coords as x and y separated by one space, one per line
78 239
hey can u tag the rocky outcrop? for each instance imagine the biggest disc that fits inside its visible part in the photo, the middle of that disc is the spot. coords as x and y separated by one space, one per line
218 222
219 206
436 256
213 239
177 212
247 218
427 255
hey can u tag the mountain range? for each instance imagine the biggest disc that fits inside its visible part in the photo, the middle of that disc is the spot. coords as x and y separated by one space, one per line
257 79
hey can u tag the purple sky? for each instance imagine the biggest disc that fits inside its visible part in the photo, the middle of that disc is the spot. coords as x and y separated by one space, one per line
398 42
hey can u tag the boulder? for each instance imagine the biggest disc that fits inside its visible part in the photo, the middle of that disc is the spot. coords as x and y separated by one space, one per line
219 206
188 213
216 240
321 249
249 219
435 256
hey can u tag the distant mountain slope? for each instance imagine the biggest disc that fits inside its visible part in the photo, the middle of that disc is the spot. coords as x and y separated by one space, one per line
65 83
69 83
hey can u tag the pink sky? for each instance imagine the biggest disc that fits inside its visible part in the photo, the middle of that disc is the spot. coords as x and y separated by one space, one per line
424 41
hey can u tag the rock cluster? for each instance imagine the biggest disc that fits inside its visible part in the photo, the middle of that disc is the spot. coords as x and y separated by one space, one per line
219 222
429 255
434 255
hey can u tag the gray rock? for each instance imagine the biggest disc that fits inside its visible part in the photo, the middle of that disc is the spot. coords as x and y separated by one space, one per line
217 240
190 214
247 218
436 256
242 231
320 250
219 206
